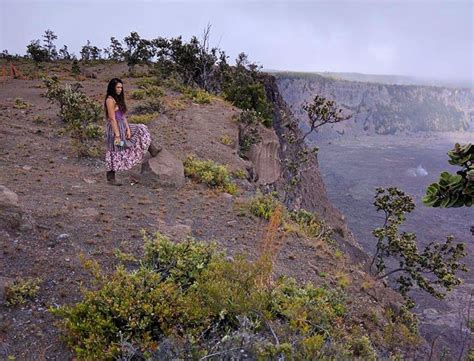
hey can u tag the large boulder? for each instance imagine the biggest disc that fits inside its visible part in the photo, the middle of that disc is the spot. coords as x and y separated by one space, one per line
165 169
11 214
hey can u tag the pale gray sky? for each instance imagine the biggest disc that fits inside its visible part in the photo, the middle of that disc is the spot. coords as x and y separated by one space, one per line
420 38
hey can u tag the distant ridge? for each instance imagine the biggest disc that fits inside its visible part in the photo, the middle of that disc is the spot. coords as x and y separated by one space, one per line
381 78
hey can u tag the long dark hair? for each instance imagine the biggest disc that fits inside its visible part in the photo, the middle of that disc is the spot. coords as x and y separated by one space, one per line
120 99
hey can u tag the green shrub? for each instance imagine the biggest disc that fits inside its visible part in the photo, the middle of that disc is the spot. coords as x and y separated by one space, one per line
249 95
362 347
151 105
207 171
226 139
197 95
263 205
21 104
143 92
247 140
145 82
308 222
138 94
81 115
240 174
75 69
181 262
187 301
249 132
21 290
142 118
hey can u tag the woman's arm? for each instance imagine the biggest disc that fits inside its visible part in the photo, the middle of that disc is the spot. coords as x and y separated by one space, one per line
126 121
111 115
128 133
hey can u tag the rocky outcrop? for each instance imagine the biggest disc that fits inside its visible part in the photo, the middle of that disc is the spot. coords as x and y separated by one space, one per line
164 169
265 157
382 108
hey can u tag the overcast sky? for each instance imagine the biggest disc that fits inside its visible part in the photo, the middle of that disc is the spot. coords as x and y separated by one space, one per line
420 38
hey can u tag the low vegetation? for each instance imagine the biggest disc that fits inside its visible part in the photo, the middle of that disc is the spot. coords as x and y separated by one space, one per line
187 300
21 290
81 115
209 172
434 269
142 118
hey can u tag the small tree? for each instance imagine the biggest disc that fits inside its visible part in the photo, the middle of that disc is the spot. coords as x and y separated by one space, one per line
48 39
86 51
320 112
208 63
5 55
37 52
75 69
95 53
64 53
433 270
80 114
90 52
243 88
115 50
454 190
138 50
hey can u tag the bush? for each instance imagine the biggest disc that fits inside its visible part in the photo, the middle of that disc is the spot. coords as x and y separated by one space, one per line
226 139
146 82
21 290
81 115
240 174
187 301
307 221
263 205
142 118
21 104
150 106
151 91
199 96
248 130
250 96
207 171
242 86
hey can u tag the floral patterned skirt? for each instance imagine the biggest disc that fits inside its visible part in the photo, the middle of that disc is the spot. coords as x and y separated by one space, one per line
123 158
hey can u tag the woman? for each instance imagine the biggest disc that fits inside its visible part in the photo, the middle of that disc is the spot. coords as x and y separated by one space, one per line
126 144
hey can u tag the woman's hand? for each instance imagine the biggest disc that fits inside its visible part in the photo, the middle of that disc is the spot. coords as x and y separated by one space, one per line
128 133
117 140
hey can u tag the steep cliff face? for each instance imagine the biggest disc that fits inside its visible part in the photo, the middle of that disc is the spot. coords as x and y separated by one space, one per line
383 108
310 193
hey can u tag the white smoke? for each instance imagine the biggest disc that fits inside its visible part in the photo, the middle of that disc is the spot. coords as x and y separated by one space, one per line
417 172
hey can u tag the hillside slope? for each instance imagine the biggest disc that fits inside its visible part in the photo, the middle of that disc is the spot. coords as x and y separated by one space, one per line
70 212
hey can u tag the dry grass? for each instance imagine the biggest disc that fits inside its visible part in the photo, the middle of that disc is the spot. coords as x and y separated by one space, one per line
270 245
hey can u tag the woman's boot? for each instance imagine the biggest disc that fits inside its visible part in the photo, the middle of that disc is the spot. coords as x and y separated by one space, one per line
154 150
111 178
